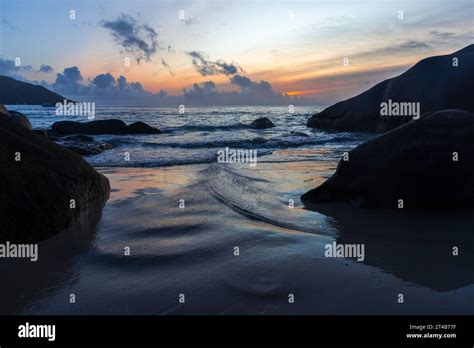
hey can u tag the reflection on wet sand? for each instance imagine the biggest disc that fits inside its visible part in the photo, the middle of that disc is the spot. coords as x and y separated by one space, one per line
415 247
52 271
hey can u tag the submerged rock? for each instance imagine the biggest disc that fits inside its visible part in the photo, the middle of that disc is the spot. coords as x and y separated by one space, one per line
425 164
436 83
84 147
102 127
44 188
262 123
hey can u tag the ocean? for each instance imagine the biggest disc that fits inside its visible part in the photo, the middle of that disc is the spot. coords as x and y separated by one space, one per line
196 135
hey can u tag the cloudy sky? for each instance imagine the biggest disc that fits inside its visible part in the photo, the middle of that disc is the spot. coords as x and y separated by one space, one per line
224 52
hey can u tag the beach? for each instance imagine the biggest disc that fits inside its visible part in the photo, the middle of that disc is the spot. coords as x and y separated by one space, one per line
191 251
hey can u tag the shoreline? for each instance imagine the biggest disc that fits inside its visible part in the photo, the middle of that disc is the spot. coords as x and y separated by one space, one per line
191 251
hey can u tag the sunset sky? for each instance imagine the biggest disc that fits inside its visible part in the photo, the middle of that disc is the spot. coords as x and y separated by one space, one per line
298 47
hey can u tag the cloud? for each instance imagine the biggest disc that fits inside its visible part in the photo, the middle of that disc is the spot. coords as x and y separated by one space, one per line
166 65
241 81
73 73
191 20
8 68
251 93
45 68
104 80
69 82
7 24
206 67
442 35
134 37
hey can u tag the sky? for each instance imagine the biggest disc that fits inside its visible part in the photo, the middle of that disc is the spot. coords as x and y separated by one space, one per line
224 52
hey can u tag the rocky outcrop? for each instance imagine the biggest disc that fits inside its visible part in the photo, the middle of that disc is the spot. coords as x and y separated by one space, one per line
262 123
425 164
436 83
102 127
45 188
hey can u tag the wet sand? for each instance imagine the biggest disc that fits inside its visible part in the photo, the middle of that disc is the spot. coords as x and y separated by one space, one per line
191 250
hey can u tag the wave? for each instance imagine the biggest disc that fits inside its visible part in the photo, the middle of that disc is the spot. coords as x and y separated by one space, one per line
208 128
254 143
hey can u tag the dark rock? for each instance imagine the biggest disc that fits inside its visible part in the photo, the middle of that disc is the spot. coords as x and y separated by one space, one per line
79 137
4 114
433 82
93 127
142 128
413 162
35 192
85 148
262 123
102 127
41 132
19 118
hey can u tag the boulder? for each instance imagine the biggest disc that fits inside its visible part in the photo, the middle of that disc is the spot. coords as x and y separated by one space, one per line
102 127
142 128
19 118
93 127
262 123
427 163
39 180
435 83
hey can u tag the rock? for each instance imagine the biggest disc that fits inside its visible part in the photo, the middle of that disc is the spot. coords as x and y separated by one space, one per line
79 137
84 147
41 132
413 162
36 191
142 128
433 82
20 119
262 123
102 127
93 127
4 112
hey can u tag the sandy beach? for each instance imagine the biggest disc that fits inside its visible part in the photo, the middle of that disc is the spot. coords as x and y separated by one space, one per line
191 251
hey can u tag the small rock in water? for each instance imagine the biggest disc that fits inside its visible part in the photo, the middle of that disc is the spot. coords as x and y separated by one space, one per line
262 123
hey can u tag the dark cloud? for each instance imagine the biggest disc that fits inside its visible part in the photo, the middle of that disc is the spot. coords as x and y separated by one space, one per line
45 68
166 65
69 82
241 81
251 93
132 36
73 73
104 80
206 67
